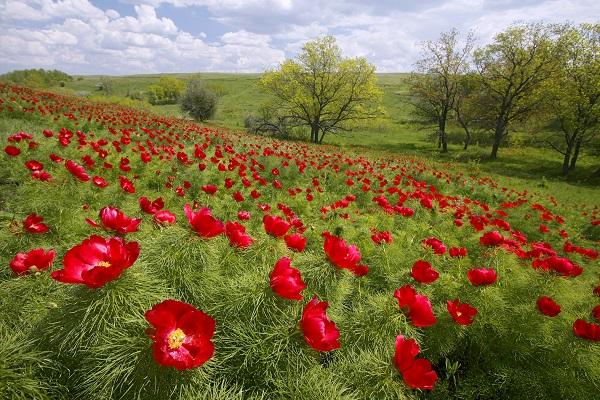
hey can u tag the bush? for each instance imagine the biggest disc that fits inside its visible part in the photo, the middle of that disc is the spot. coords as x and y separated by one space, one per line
199 102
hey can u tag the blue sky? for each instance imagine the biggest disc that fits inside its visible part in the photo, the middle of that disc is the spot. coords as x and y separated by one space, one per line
120 37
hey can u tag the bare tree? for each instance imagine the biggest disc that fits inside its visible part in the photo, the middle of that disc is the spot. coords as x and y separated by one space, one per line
434 85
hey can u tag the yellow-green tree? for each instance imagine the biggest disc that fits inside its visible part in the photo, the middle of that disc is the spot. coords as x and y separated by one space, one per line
324 91
166 91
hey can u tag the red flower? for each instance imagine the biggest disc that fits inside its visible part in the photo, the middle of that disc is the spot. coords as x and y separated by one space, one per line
381 237
422 272
492 238
203 223
416 372
151 207
77 170
115 220
547 306
164 217
319 331
436 244
243 215
587 330
33 224
597 291
462 313
99 181
343 255
419 307
596 313
126 184
458 252
34 165
482 276
12 150
237 235
33 261
97 260
295 241
561 265
275 226
181 333
41 175
286 281
209 189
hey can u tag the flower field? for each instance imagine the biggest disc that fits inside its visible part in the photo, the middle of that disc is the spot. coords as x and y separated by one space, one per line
146 257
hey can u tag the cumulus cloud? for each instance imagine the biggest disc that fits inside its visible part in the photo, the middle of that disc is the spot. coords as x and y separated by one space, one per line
247 35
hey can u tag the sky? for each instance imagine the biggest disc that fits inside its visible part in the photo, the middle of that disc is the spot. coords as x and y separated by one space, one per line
120 37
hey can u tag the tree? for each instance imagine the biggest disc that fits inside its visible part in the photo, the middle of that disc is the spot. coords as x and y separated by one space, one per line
512 70
166 91
467 105
199 102
324 91
573 98
435 84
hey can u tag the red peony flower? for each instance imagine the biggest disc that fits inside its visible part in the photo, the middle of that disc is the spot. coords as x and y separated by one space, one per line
492 238
286 281
597 291
319 331
181 333
481 276
33 223
435 244
416 372
462 313
596 313
97 261
275 226
561 265
381 237
209 189
12 150
419 307
33 261
458 252
151 207
343 255
99 181
77 171
243 215
423 272
203 223
295 241
237 235
547 306
164 217
587 330
126 185
113 219
34 165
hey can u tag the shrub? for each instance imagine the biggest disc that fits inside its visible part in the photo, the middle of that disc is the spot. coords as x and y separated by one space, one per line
199 102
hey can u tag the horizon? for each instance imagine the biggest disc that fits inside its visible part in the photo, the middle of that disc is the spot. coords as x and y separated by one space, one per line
125 37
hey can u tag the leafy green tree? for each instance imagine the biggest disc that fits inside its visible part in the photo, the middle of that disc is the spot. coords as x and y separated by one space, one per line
166 91
512 70
199 102
36 78
467 105
324 91
573 98
435 85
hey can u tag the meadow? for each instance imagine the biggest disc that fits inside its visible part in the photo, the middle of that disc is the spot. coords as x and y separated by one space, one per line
188 261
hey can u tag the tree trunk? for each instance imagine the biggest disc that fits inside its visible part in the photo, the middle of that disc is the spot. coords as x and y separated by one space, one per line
467 138
314 134
498 135
322 136
443 136
575 154
566 159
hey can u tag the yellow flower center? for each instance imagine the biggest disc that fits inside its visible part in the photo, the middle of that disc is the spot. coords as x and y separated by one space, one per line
458 313
176 339
104 264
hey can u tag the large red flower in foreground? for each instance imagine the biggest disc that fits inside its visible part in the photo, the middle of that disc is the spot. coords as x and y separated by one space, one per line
276 226
419 307
181 334
32 261
319 331
416 372
343 255
481 276
113 219
97 261
587 330
203 223
237 235
547 306
462 313
286 281
33 223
